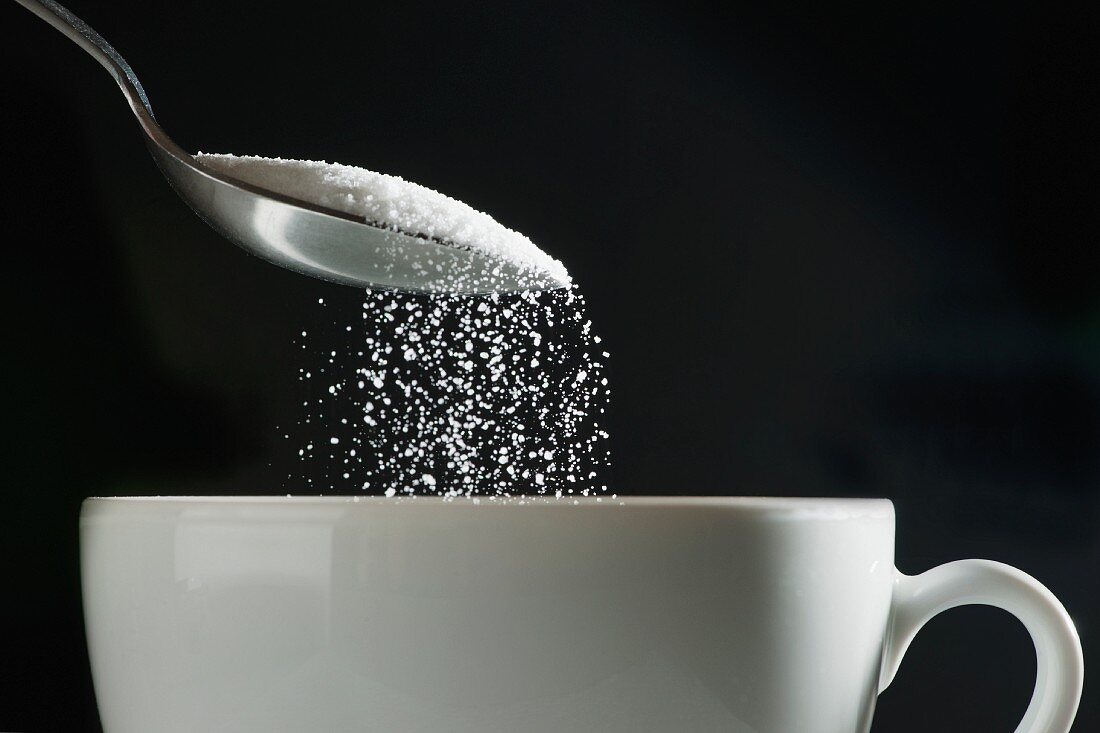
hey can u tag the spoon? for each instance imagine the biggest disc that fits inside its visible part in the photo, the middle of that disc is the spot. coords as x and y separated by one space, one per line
295 234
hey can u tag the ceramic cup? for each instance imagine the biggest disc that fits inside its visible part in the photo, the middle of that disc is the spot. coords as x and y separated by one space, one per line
642 615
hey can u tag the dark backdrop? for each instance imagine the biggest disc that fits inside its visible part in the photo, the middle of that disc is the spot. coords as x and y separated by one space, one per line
831 253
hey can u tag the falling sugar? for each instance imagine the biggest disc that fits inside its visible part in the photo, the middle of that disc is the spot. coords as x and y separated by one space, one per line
455 396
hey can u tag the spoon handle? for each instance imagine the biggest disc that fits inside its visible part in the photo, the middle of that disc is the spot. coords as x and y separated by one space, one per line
84 36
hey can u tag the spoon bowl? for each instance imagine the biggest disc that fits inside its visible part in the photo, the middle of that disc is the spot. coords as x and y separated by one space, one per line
299 235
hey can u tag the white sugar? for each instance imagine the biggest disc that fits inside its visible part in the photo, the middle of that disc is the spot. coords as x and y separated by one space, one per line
390 202
454 395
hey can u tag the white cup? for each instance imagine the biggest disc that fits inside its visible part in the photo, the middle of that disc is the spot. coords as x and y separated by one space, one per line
641 615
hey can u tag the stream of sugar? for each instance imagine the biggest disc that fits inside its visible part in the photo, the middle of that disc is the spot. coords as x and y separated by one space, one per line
455 396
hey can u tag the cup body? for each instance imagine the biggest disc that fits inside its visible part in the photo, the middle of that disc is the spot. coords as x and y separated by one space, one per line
731 615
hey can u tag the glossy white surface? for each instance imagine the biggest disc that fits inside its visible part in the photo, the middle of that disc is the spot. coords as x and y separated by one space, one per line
653 616
1060 664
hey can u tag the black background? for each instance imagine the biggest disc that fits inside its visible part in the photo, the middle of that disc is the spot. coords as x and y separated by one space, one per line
831 251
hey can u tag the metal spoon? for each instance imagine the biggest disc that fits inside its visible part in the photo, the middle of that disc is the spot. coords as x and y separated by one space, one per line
295 234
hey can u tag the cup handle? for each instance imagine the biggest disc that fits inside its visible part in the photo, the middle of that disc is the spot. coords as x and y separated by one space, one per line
1060 665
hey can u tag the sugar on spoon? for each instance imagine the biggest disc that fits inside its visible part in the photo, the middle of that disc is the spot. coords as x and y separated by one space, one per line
440 246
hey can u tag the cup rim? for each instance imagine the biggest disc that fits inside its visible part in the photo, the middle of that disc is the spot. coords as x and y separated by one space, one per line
797 506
